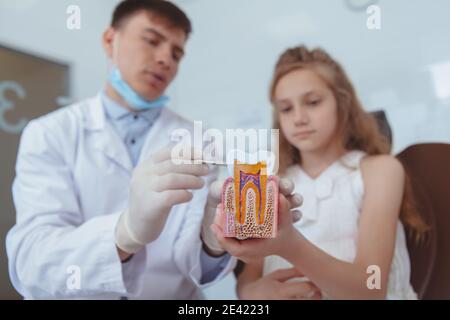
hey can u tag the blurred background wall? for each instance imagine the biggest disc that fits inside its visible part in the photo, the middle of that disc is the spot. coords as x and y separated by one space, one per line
402 68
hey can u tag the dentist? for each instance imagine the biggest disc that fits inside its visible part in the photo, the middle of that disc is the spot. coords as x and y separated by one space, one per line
102 211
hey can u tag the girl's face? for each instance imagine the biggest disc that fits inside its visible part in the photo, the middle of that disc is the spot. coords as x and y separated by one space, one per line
307 110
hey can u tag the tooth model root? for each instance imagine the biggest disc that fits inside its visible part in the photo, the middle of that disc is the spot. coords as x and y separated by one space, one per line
250 202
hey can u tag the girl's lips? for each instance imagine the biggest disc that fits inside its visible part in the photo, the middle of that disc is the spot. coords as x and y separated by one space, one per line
303 134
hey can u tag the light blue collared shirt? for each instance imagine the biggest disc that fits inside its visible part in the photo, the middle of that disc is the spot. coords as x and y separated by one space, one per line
132 128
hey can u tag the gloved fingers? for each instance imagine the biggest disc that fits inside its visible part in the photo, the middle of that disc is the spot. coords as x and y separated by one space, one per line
162 155
220 218
177 153
215 193
178 181
174 197
168 166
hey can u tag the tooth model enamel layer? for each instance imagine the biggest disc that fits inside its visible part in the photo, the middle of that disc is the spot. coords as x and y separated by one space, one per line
250 202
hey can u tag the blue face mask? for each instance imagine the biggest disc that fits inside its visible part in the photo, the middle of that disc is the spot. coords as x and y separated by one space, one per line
131 96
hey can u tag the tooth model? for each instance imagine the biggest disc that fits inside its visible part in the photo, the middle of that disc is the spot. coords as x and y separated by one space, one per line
250 202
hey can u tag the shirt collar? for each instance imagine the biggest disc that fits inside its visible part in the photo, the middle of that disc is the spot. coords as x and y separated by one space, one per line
116 111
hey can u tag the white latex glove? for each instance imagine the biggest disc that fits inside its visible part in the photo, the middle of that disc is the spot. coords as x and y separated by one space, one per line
286 187
156 186
209 239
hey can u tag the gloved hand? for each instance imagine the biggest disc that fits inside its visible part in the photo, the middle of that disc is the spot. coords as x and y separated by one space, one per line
156 186
286 187
209 239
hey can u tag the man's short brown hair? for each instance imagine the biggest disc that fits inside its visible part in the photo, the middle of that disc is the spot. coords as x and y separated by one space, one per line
164 9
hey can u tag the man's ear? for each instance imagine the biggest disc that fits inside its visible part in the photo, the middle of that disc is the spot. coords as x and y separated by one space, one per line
108 41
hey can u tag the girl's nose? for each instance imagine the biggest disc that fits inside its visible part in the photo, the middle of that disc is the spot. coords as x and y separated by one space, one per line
300 116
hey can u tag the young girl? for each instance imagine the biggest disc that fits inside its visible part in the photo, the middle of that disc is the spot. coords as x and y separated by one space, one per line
349 243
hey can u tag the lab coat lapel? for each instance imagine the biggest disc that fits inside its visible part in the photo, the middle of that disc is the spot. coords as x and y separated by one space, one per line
103 136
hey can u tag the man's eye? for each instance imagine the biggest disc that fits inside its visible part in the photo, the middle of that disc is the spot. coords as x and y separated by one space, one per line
176 57
151 42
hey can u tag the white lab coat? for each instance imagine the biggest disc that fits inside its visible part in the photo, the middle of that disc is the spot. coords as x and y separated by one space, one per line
72 182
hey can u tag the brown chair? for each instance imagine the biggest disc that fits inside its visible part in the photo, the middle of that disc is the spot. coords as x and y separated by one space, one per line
383 124
428 166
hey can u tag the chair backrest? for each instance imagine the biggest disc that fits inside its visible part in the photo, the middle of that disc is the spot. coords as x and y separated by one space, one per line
383 124
428 166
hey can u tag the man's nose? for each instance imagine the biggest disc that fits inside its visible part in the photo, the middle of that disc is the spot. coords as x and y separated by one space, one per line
163 58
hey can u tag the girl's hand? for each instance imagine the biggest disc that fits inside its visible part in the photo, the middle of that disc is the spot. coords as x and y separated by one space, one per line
275 286
256 249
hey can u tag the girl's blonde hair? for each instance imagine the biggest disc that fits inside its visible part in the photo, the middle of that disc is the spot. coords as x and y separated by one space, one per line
358 129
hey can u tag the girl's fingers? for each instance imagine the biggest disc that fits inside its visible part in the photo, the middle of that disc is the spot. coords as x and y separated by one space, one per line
284 214
283 275
299 290
283 204
295 200
229 244
295 290
316 296
286 186
296 215
242 250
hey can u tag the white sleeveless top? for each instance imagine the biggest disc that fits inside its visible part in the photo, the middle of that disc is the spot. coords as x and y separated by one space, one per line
339 190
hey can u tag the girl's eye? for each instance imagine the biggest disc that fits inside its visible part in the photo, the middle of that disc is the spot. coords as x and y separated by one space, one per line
314 102
285 109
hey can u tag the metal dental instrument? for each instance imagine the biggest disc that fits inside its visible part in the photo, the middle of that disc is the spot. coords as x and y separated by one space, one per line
214 163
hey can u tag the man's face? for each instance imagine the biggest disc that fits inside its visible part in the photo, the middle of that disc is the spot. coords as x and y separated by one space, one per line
147 52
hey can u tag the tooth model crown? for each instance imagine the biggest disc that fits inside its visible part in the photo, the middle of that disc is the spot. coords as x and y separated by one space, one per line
250 202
